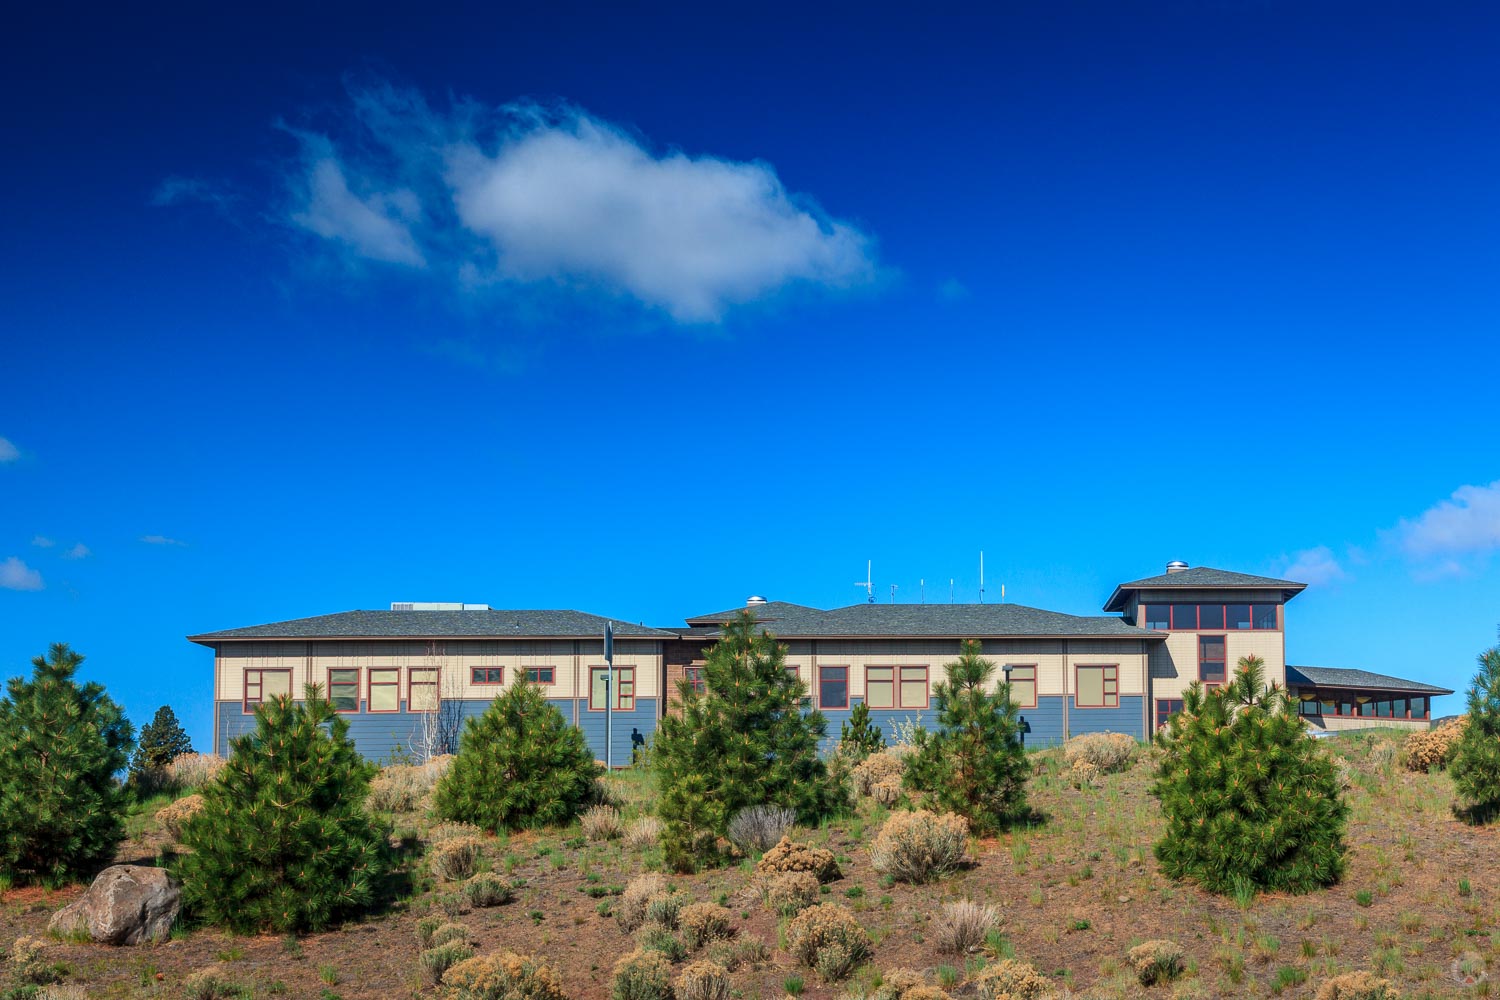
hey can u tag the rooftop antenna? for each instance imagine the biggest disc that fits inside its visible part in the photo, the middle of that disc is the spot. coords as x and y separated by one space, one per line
981 576
950 590
923 584
1002 593
893 593
869 582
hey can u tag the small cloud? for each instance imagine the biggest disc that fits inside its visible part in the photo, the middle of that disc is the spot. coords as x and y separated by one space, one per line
161 540
16 575
1466 524
176 191
1316 566
376 226
79 551
8 451
43 542
952 290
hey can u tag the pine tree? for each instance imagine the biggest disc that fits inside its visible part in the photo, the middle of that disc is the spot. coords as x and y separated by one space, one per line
973 762
1248 796
745 741
519 764
283 842
1476 759
61 745
162 741
859 736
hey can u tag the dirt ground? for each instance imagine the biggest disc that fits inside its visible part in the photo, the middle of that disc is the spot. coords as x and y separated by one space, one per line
1418 906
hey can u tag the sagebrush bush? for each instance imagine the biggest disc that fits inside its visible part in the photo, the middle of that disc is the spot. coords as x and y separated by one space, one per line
664 910
504 975
789 855
284 842
457 858
702 980
487 889
1475 765
1248 796
962 926
819 928
402 787
61 744
174 815
437 960
1433 748
876 768
1011 979
1357 986
920 846
209 983
448 933
703 923
426 927
788 893
191 771
1109 752
630 911
643 833
1083 774
1153 962
888 792
904 984
658 938
519 764
642 975
758 828
743 950
601 823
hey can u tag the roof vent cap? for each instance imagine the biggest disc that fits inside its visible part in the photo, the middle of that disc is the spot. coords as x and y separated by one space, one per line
1176 566
755 601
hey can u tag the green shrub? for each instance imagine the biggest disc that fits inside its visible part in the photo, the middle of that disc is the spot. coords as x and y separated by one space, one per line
1246 791
1155 962
61 744
487 889
1476 758
437 960
456 859
284 842
642 975
973 764
660 938
519 764
859 735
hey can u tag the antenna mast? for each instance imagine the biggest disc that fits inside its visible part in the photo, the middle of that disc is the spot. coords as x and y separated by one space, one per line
893 593
869 582
981 576
923 584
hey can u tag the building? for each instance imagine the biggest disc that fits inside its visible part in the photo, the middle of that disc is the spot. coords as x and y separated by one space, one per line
1124 671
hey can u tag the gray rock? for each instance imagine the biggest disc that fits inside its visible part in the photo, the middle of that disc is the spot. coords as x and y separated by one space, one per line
127 904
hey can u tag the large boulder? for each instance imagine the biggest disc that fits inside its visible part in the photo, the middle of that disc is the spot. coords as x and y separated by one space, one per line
127 904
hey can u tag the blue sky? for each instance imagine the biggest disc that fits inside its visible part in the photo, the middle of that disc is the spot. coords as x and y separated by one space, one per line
641 314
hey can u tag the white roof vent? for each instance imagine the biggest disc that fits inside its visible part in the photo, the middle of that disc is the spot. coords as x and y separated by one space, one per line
755 601
436 606
1176 566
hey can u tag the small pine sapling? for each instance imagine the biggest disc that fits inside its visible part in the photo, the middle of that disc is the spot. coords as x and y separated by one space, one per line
859 735
162 741
1476 759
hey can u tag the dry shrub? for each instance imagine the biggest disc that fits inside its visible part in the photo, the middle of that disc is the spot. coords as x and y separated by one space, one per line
758 828
1357 986
447 934
829 927
791 856
1343 770
887 792
601 823
1109 752
1433 748
398 788
645 832
1011 979
1158 961
605 792
487 889
504 976
788 893
642 975
191 771
703 981
745 950
920 846
630 912
208 984
1083 774
456 859
448 831
703 923
962 926
904 984
174 815
876 768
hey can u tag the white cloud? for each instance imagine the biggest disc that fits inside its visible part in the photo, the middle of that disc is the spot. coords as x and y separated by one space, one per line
1467 523
79 551
8 451
516 195
184 190
160 540
43 542
16 575
1316 566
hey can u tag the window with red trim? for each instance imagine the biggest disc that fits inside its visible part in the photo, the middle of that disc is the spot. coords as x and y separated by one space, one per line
1212 659
1098 687
541 675
263 685
343 688
693 677
385 689
1165 709
422 689
487 675
624 684
1023 685
833 687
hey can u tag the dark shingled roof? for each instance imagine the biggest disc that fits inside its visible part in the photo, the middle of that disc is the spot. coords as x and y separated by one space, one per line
962 620
1204 578
1339 677
439 624
768 612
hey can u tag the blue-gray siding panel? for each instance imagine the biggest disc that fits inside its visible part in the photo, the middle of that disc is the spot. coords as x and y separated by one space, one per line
1046 721
1125 719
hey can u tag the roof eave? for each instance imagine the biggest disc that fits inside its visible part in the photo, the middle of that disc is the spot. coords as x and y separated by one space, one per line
1117 601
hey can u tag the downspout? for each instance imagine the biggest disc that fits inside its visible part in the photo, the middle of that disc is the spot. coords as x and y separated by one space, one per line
1067 696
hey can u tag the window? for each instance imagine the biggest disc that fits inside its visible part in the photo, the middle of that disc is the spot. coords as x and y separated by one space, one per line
1419 708
1309 706
1211 665
1210 616
385 689
693 678
1165 709
1023 685
880 687
624 684
487 675
1237 616
343 689
422 693
833 687
263 685
1264 616
1184 616
541 675
1098 687
1159 616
